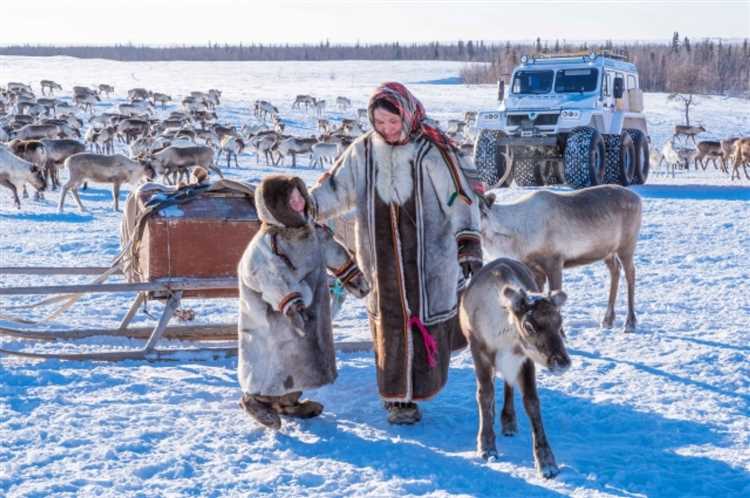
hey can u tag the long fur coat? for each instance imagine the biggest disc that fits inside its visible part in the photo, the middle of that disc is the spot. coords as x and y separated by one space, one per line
417 218
284 264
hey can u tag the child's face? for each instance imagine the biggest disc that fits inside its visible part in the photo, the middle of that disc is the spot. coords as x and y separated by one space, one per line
296 201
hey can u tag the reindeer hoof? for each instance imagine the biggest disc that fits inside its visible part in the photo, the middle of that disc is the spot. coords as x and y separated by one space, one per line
510 429
489 455
607 323
548 471
510 432
545 463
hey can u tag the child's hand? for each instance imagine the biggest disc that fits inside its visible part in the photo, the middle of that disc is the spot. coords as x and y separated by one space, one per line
358 286
297 314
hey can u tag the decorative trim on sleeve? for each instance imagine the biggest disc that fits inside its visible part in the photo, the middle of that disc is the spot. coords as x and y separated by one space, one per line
345 272
469 246
289 300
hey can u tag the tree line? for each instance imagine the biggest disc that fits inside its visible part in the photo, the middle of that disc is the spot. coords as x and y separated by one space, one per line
709 66
677 65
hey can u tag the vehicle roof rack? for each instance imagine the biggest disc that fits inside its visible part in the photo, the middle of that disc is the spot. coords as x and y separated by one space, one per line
584 55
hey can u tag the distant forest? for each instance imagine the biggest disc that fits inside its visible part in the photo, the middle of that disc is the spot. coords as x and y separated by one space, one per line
678 65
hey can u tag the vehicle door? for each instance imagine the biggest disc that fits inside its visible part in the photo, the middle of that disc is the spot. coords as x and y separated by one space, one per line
608 98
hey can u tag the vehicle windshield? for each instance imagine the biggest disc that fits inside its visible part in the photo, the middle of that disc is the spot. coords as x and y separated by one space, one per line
533 82
576 80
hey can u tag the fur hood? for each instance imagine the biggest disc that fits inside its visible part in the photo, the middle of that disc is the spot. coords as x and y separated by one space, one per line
272 202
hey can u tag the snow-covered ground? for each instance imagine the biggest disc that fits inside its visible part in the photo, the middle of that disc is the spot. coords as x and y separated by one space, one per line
663 412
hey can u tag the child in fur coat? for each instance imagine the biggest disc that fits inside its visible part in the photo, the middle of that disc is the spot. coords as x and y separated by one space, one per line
285 338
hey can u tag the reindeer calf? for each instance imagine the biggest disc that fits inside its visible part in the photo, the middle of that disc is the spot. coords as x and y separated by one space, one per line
510 326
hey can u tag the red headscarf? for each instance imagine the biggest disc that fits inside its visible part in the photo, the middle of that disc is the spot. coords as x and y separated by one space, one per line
412 114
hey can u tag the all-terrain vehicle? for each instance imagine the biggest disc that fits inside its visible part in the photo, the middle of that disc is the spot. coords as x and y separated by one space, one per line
575 119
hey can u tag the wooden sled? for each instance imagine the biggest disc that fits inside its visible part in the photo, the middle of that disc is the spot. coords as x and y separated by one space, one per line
178 245
171 290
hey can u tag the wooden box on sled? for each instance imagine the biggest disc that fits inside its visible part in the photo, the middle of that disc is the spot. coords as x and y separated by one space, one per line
204 237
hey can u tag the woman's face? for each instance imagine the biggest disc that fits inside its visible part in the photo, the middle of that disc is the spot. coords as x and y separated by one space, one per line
387 124
297 202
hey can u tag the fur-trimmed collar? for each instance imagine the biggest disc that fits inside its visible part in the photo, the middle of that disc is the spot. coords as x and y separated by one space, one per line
393 170
293 233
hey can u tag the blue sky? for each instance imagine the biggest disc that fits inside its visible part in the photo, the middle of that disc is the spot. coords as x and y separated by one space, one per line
280 21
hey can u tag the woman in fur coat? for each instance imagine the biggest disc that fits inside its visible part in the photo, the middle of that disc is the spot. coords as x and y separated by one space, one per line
285 338
417 239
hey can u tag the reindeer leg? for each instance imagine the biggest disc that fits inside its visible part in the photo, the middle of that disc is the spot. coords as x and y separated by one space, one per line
25 193
116 195
508 415
553 270
540 276
217 170
484 368
613 265
77 198
13 189
63 193
543 457
626 258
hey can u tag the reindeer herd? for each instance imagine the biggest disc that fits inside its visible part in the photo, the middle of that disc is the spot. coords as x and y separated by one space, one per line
45 131
677 153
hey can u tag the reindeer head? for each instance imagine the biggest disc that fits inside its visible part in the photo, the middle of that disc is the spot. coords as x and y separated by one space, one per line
37 179
148 172
537 321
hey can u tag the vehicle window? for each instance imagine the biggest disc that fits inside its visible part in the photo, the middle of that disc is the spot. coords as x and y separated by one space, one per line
533 82
631 82
607 81
605 84
576 80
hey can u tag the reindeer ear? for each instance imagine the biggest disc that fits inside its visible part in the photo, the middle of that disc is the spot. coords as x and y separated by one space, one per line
514 299
558 298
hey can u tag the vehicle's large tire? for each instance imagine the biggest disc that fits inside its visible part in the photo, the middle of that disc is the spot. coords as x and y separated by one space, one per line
489 159
584 160
620 163
642 158
527 172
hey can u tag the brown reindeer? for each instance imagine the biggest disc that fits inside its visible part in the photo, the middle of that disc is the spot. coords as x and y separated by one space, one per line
177 161
549 231
49 85
115 169
510 326
58 150
688 132
741 157
710 150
